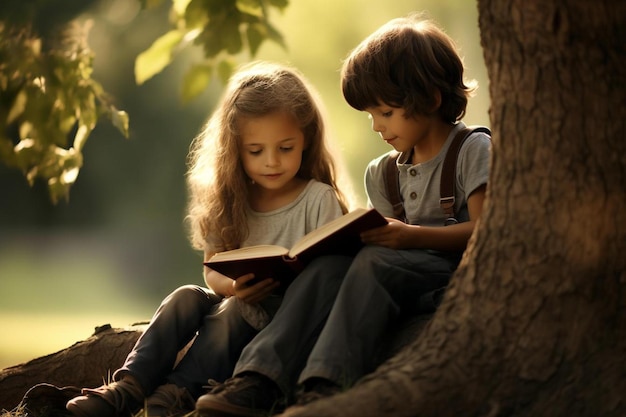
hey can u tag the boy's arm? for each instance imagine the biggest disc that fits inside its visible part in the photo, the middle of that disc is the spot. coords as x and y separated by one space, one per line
399 235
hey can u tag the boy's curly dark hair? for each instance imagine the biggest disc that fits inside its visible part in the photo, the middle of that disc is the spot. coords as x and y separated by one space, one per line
411 63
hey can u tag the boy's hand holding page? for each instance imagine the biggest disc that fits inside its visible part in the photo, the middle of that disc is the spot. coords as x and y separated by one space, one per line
338 237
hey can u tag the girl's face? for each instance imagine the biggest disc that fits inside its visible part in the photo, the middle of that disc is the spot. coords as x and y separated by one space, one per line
398 131
271 149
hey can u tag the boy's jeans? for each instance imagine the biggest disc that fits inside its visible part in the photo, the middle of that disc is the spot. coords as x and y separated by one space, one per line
375 288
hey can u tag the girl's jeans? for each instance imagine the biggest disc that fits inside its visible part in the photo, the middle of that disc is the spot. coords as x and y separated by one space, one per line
220 331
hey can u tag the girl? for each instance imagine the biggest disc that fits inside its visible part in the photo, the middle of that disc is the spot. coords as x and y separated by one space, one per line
260 173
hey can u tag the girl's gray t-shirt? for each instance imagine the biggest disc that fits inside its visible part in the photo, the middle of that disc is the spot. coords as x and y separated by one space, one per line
316 205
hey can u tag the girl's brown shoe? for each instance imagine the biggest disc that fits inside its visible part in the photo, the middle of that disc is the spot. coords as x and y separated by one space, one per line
118 399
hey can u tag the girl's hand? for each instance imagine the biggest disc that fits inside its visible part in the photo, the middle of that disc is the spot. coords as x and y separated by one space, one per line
395 235
252 294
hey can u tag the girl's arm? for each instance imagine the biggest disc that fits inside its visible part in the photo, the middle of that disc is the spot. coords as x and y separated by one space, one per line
399 235
220 284
224 286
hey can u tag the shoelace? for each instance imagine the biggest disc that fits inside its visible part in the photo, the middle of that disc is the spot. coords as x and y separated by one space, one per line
212 385
119 394
170 396
231 384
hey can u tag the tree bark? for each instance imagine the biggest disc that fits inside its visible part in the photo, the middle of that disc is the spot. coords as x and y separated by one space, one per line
88 363
533 322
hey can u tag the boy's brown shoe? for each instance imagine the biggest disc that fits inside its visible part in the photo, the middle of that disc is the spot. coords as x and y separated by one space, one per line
248 395
316 389
118 399
169 400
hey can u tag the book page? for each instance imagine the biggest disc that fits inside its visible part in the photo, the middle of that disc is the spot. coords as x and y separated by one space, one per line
258 251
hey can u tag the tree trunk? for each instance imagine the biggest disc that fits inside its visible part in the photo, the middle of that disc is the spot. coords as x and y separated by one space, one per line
91 362
533 322
85 364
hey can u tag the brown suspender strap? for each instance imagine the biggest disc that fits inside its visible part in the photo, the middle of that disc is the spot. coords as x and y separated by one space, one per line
448 177
393 186
448 171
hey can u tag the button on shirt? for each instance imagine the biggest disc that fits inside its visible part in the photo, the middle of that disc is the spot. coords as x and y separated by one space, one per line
419 184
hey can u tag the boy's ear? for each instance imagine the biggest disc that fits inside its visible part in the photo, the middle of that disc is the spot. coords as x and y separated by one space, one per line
436 101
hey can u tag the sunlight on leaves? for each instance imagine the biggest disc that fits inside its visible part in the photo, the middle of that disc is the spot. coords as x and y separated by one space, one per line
157 56
251 7
81 136
52 105
120 120
196 80
18 106
179 6
220 29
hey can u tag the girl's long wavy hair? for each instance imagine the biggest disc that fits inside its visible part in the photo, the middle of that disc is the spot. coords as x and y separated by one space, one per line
217 183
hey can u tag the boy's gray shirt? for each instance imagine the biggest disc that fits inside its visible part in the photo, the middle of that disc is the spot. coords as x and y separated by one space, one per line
419 184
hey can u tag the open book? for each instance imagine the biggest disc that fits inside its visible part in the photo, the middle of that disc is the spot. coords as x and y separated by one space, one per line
339 236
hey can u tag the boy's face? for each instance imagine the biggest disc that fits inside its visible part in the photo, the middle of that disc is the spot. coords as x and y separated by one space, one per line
397 130
271 149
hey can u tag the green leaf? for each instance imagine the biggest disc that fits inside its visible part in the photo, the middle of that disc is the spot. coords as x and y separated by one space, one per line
119 118
27 153
255 37
179 6
275 36
211 42
58 190
196 80
280 4
232 36
196 15
251 7
225 69
82 133
18 106
152 61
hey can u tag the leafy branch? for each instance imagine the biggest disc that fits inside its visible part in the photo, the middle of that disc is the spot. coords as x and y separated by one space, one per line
50 104
223 28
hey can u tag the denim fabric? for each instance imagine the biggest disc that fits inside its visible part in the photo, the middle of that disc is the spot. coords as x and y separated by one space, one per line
190 311
380 285
280 350
335 313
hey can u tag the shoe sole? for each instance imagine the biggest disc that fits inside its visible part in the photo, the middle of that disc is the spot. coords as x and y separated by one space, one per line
79 410
76 411
214 407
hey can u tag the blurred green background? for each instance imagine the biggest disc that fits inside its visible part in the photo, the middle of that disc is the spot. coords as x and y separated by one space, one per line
118 246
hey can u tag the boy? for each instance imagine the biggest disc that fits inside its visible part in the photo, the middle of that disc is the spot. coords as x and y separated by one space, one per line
409 78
